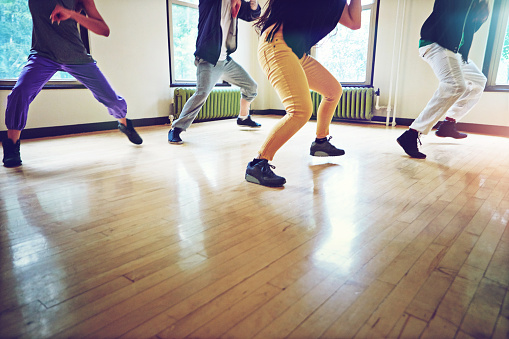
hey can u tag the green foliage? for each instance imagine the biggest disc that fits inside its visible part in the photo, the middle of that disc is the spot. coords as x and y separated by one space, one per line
505 49
344 52
185 31
15 37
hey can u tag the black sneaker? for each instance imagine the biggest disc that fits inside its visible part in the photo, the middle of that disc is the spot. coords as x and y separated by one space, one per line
12 157
174 136
130 132
260 172
448 129
248 122
408 141
325 149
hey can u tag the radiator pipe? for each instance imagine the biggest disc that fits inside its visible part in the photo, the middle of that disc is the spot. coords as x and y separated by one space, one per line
396 95
389 104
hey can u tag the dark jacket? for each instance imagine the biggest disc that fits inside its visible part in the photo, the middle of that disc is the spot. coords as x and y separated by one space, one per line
304 24
450 21
208 43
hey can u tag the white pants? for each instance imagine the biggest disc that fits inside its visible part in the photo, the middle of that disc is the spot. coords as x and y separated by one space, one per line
461 86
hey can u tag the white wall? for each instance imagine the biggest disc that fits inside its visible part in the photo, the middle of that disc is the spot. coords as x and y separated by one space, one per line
135 60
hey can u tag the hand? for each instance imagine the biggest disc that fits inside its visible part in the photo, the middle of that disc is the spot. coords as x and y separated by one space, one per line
236 7
483 11
60 14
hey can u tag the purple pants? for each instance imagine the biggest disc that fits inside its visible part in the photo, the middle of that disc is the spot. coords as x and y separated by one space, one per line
39 70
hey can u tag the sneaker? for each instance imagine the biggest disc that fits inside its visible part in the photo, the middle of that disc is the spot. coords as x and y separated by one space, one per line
248 122
130 132
260 172
174 136
325 149
448 129
12 157
408 141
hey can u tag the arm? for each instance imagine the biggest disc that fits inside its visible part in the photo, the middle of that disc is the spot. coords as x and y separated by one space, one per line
249 10
351 16
92 21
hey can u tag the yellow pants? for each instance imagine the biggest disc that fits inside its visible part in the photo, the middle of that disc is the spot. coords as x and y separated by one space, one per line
292 78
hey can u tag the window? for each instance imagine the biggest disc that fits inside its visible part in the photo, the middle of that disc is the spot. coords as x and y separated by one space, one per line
349 55
496 61
16 40
183 28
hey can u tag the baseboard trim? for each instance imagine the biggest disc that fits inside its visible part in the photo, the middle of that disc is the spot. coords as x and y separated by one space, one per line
33 133
42 132
499 131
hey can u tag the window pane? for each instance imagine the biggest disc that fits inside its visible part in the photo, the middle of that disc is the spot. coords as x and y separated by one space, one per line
185 31
16 39
503 67
344 52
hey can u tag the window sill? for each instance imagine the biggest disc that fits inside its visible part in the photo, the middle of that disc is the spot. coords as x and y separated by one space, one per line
8 85
501 88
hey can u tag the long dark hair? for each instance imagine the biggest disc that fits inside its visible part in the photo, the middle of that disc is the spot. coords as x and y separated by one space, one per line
271 15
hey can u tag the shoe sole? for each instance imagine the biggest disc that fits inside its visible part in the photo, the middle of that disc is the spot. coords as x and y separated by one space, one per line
323 154
245 126
175 142
447 136
253 180
12 165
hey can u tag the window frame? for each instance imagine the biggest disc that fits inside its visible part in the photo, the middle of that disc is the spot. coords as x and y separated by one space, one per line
493 54
373 33
173 82
8 84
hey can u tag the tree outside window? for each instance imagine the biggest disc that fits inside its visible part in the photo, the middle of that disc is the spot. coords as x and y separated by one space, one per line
348 54
16 40
503 67
183 30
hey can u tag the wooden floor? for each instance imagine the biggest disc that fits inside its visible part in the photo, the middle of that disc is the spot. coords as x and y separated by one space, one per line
100 238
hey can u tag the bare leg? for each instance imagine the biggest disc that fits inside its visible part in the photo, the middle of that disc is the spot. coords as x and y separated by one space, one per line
244 108
14 135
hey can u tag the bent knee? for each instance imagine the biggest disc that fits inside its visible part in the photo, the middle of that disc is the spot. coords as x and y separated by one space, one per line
333 92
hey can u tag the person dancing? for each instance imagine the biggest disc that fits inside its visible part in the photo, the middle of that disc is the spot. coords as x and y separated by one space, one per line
216 41
446 38
288 30
57 46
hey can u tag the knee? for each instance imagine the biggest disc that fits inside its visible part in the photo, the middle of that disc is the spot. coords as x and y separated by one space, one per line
250 92
453 90
333 92
301 109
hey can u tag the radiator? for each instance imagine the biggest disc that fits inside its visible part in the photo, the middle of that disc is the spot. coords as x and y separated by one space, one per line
356 103
221 103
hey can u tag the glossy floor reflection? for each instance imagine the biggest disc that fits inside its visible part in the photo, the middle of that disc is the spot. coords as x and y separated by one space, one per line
100 238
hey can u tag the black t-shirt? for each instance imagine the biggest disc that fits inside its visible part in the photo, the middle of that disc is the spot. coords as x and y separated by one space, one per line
304 22
60 43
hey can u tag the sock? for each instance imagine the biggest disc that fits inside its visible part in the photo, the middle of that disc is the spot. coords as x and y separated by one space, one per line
321 140
243 118
450 119
256 160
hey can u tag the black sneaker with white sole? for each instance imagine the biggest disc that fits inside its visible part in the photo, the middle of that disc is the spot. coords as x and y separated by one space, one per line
325 149
259 171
